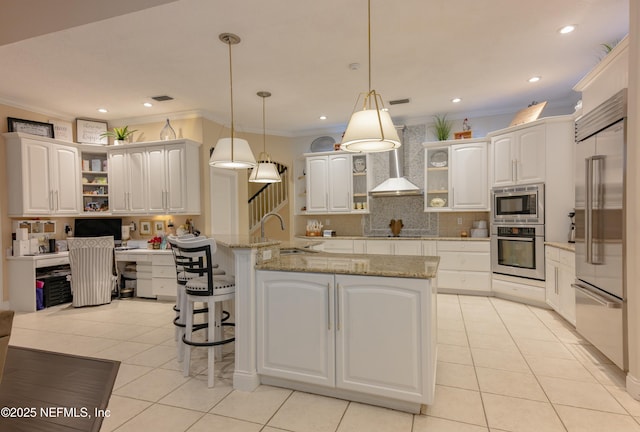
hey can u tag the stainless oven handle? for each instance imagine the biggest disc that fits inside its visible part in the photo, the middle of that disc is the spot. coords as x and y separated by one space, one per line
526 239
597 298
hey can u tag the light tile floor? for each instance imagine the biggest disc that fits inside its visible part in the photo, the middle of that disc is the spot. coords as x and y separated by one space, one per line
502 366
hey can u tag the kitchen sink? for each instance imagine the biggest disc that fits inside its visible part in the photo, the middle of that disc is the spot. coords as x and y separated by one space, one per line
295 251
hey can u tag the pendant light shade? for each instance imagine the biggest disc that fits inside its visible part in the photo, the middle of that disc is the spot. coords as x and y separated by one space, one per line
232 152
266 171
371 129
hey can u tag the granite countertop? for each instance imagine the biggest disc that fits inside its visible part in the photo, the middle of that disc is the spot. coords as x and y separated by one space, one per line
571 247
242 241
415 267
320 238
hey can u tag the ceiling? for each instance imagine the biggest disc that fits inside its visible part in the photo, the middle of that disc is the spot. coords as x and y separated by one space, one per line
67 59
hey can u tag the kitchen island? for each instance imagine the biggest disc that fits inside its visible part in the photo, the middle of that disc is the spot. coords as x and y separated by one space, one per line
357 327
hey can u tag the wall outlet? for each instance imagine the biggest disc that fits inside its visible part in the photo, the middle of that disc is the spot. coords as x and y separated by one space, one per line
459 221
327 222
266 254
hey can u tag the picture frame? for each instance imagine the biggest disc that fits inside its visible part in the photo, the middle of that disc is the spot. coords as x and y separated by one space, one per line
145 227
30 127
62 130
88 131
158 227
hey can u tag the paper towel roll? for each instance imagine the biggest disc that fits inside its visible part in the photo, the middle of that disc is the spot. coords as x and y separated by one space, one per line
22 234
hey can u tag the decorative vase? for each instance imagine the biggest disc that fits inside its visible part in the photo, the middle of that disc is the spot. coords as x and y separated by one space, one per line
167 132
118 142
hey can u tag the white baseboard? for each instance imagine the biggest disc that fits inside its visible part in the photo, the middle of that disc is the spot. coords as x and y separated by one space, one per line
245 381
633 386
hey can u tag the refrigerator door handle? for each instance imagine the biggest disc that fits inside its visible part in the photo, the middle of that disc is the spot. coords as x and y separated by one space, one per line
597 298
597 203
588 165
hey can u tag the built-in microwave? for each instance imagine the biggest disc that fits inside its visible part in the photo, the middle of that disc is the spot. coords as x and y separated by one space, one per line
518 204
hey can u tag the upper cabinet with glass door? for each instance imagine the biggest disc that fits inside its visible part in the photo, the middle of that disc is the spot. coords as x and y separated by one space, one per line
456 175
437 186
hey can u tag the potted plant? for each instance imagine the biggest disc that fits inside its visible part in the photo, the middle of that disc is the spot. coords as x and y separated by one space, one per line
119 135
442 127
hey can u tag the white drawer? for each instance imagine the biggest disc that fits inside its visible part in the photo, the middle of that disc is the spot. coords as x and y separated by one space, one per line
552 253
164 272
163 260
164 287
144 288
519 290
470 281
463 246
568 258
48 262
133 256
469 261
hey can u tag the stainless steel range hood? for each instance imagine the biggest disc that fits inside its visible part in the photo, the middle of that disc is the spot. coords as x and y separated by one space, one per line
396 184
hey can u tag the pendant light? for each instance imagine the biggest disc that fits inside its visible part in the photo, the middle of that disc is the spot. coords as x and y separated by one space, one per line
232 153
266 171
371 129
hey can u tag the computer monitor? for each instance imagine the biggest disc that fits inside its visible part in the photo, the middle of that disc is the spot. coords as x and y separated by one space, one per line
97 227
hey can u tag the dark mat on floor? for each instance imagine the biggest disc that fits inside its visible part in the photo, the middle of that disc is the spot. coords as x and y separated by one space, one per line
48 391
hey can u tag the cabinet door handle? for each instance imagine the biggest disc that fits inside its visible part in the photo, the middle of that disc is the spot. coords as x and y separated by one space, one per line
51 200
57 201
329 305
338 308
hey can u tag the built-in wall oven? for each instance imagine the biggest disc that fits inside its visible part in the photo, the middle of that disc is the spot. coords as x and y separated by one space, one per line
517 231
518 250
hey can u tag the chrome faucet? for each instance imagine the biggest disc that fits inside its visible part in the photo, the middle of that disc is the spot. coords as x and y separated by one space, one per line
265 218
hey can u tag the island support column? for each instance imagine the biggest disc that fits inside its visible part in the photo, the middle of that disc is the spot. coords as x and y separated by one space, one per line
245 375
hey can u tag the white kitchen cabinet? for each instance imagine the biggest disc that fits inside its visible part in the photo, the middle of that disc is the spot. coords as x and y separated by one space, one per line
43 176
296 338
95 178
127 174
470 187
327 330
456 176
155 178
519 157
394 247
336 183
465 266
334 245
560 275
383 357
539 152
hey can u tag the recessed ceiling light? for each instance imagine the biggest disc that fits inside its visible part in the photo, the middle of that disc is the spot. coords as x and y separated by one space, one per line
148 104
456 100
323 117
567 29
102 110
384 109
534 79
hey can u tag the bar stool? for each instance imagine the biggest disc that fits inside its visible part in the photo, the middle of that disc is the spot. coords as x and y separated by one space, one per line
210 289
181 279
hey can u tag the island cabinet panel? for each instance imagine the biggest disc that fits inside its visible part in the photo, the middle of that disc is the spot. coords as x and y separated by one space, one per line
379 336
365 334
295 326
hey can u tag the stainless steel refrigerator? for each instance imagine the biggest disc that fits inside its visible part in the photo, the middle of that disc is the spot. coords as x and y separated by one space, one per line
600 228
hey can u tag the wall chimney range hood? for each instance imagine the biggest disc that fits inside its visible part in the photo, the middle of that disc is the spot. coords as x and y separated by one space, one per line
396 184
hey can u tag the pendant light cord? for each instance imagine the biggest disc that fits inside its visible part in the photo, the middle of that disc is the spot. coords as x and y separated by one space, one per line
231 92
369 38
264 127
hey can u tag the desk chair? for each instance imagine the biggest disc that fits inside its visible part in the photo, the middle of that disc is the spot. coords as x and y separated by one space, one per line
210 289
92 276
